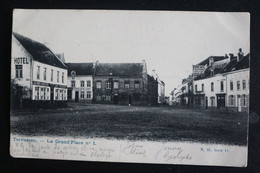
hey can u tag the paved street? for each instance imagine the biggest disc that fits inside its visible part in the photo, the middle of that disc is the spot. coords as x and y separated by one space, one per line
133 123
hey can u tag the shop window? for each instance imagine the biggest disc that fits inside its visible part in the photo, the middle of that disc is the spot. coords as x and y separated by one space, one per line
108 97
98 96
37 93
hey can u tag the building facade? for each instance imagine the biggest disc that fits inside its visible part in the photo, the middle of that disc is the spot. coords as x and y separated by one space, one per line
224 85
124 83
80 82
38 77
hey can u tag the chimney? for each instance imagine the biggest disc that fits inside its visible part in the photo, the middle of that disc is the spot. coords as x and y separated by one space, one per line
211 60
231 56
154 74
240 54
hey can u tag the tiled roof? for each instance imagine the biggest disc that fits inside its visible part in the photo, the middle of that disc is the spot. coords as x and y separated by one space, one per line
39 51
80 68
237 65
119 69
216 58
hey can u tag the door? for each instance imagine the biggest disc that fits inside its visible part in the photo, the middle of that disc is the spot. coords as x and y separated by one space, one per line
206 102
76 96
130 99
52 95
116 99
221 101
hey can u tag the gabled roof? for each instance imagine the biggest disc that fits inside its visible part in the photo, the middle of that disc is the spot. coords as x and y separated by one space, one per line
243 63
80 68
39 51
119 69
215 58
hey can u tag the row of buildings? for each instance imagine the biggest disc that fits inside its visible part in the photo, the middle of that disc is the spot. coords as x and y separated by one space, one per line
218 82
42 78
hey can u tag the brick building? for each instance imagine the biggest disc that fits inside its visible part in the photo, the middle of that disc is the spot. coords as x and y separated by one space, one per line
124 83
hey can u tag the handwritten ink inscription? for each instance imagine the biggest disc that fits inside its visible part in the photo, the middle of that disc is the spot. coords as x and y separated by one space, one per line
167 153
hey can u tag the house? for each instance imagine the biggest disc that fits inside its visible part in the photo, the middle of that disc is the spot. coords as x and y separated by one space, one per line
161 88
80 82
124 83
224 84
38 76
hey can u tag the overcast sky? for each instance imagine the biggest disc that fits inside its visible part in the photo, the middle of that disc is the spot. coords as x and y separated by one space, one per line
170 42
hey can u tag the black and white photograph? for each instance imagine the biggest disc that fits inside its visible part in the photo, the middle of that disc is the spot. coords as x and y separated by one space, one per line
168 87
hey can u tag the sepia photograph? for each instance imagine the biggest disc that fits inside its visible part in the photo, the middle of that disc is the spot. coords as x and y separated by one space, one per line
168 87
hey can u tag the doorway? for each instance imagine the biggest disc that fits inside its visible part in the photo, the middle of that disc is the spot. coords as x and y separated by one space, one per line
221 100
76 96
115 99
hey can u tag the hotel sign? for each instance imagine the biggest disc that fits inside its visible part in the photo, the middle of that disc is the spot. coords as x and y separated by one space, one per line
21 60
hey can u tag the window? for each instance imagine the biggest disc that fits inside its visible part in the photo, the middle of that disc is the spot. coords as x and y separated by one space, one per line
231 85
65 94
212 86
212 72
82 94
44 73
244 84
98 84
244 100
51 75
108 97
196 88
38 72
221 86
82 83
56 94
88 94
42 94
212 101
202 87
231 100
127 84
37 93
19 71
62 77
98 96
72 83
88 83
58 76
61 94
238 85
47 93
137 84
108 84
116 85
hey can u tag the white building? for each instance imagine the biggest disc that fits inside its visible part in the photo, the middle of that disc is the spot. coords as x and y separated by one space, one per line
224 84
80 81
38 76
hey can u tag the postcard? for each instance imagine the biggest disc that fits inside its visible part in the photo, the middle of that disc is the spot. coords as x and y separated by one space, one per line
163 87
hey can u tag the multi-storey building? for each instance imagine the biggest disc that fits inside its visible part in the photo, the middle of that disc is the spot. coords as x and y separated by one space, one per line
80 81
124 83
38 76
224 84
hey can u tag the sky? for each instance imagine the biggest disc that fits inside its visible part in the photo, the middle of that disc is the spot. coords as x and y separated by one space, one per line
169 41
